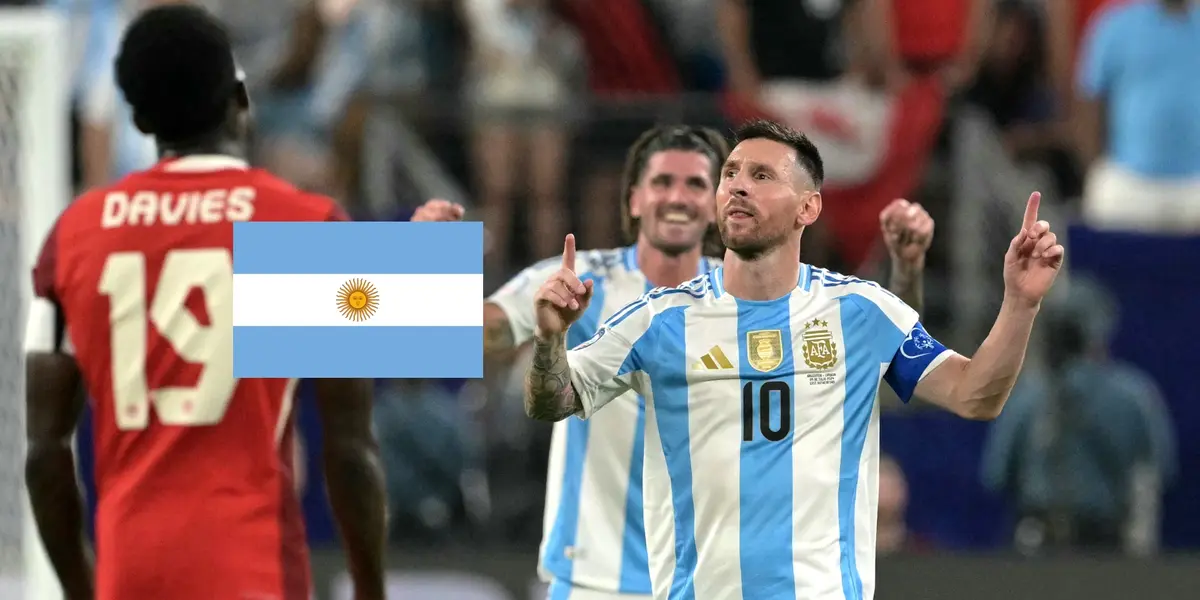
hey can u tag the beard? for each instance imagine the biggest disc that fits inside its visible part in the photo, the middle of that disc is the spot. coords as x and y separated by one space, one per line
752 242
670 247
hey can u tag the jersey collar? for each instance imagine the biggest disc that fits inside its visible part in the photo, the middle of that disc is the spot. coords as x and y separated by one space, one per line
716 279
203 163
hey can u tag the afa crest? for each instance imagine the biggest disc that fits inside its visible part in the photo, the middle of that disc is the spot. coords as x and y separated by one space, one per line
764 349
820 351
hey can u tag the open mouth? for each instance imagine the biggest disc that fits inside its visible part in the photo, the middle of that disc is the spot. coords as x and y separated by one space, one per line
676 216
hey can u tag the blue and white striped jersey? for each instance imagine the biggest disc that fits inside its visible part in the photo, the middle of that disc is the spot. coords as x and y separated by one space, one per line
593 534
762 444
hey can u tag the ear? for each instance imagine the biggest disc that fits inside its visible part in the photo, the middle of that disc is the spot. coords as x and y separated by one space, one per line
635 203
241 97
809 209
239 111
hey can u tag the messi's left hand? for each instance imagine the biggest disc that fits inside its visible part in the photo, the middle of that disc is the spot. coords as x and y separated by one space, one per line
1033 259
438 210
907 232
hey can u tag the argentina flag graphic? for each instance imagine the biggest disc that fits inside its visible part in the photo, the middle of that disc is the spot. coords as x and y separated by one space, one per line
345 299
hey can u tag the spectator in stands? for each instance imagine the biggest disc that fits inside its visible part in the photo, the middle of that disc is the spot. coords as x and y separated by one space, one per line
426 454
752 32
1011 85
893 502
303 65
1085 445
521 93
922 37
633 81
893 535
694 38
1067 21
1013 89
1139 119
108 146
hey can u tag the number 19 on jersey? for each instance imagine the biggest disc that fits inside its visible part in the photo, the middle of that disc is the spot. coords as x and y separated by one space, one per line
210 346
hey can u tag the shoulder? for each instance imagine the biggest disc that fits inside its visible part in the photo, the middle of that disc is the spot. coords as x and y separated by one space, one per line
1116 17
638 318
1130 379
863 294
661 299
603 263
589 264
71 224
279 200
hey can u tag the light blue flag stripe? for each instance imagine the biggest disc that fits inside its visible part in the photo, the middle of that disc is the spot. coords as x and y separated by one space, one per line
378 248
378 352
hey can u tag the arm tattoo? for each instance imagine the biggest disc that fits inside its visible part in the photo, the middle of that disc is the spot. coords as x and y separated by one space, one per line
909 286
548 392
497 336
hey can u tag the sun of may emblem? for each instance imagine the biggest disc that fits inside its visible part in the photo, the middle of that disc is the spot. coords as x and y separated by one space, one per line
357 300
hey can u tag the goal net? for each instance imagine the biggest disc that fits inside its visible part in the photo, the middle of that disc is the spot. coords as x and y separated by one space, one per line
34 187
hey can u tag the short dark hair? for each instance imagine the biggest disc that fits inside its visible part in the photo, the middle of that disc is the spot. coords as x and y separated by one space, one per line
806 152
702 140
177 72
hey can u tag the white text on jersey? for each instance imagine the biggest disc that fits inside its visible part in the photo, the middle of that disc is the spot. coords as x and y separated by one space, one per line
184 208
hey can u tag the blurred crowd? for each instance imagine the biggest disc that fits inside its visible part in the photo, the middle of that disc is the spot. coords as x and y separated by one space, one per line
523 109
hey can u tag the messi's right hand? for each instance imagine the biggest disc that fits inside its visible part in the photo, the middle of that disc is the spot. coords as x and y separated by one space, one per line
563 298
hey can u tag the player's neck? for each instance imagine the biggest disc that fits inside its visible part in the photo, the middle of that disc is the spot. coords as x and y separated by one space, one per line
667 270
207 145
769 276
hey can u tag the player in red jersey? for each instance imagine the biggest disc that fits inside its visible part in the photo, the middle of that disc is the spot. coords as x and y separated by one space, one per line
133 287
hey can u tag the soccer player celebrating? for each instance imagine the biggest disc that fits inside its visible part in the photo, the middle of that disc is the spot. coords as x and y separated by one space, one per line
760 379
133 303
594 543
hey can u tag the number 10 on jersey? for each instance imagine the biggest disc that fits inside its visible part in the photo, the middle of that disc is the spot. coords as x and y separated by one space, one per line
774 398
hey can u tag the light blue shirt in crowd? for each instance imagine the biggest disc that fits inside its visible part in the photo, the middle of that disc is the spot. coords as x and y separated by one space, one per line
1144 62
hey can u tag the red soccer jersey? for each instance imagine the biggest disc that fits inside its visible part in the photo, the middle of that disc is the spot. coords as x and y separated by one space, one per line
193 467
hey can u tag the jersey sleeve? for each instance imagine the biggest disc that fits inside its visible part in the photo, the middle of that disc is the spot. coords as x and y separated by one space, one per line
336 212
898 339
606 366
918 355
515 298
46 325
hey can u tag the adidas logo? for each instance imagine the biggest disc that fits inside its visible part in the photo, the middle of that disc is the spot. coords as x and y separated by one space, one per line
713 361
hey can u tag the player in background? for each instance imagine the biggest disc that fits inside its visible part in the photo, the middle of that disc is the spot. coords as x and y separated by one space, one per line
594 543
133 303
760 382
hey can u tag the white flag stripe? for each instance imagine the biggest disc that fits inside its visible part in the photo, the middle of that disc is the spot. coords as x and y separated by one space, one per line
404 300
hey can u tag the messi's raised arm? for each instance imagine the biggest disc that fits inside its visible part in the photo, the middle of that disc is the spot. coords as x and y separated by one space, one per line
979 387
580 381
558 303
584 379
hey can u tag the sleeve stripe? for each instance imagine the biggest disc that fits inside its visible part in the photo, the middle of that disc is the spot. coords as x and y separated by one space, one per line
937 360
46 330
695 291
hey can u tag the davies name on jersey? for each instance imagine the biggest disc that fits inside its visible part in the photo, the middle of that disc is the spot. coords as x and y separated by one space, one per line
147 208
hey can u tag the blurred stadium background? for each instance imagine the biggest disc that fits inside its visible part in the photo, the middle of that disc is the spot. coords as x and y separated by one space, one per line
1088 487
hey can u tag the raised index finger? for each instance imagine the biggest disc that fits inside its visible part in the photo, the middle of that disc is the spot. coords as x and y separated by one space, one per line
1031 210
569 252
